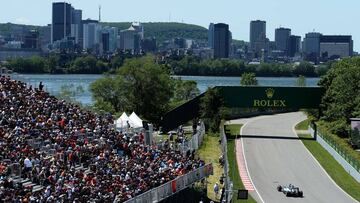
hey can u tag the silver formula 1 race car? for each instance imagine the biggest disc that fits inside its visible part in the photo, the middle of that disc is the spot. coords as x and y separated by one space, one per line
290 191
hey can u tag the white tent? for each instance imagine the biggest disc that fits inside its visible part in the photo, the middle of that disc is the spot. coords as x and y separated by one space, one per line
122 121
135 121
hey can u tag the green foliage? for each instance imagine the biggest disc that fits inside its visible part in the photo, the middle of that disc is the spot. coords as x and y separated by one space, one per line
305 68
34 64
185 90
233 167
301 81
140 85
248 79
163 31
60 64
192 65
212 109
342 97
69 93
88 64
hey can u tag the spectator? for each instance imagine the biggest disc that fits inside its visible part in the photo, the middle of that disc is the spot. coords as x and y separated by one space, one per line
216 190
74 154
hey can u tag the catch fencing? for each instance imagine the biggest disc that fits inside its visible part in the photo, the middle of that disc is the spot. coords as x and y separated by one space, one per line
168 189
227 181
188 145
348 162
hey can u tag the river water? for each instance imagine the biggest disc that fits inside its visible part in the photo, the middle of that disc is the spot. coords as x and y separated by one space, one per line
53 83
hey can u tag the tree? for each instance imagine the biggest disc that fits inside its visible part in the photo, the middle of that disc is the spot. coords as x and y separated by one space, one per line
248 79
342 96
185 90
212 109
140 85
69 93
305 68
301 81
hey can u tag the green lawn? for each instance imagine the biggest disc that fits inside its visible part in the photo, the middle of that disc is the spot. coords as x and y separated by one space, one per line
210 152
331 166
233 167
303 125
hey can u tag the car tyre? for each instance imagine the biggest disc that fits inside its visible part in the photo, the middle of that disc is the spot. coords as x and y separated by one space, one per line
279 188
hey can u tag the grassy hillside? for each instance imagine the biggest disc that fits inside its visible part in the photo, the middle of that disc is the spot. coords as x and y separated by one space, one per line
164 31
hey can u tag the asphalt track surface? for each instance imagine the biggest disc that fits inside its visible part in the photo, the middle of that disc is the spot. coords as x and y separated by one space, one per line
275 156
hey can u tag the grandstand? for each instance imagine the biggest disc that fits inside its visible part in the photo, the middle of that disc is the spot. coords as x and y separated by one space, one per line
53 151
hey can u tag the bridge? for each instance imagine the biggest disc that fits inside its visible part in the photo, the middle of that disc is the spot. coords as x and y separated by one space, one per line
259 97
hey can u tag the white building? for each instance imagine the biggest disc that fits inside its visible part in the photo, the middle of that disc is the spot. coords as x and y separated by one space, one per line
92 35
130 39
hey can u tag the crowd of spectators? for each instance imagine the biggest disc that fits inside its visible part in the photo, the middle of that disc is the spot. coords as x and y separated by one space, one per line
74 155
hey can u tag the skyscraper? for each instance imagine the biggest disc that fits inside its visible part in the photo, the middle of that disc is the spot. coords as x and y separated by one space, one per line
92 35
335 46
257 34
293 45
311 46
130 39
281 38
76 26
112 34
105 41
211 35
221 40
61 21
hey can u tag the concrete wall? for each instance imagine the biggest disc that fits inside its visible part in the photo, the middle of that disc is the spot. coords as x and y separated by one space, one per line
351 170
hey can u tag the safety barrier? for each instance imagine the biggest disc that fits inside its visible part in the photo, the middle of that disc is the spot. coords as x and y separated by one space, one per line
190 145
227 181
166 190
350 164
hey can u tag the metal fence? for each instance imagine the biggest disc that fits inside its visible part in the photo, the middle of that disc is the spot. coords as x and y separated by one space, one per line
340 153
162 192
341 150
189 145
227 181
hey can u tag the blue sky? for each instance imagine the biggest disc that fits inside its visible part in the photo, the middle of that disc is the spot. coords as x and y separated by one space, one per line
325 16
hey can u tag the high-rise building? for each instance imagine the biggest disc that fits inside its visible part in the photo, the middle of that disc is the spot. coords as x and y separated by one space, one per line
281 38
180 42
148 45
113 33
336 46
45 38
105 41
139 28
61 21
91 35
211 35
31 40
130 39
293 45
221 40
76 26
311 46
257 34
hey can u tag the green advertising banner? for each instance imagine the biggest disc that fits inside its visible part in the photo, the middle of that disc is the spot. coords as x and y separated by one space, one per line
271 97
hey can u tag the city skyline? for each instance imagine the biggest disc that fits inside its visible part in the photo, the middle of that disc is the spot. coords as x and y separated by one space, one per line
310 15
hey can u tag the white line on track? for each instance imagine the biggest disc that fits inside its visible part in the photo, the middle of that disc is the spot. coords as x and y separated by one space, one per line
242 144
294 131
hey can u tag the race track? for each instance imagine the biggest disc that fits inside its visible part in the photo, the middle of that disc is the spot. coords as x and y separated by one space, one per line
275 156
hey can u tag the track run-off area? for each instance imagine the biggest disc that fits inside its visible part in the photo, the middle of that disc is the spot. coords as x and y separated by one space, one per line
269 153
